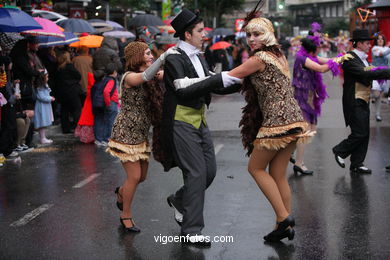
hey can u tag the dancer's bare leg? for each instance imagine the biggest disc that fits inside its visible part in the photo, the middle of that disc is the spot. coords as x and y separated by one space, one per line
277 169
257 164
133 172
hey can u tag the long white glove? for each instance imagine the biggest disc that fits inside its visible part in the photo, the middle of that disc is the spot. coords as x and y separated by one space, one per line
149 73
185 82
229 80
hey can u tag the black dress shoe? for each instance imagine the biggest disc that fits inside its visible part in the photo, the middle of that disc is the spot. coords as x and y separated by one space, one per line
132 229
302 171
361 170
387 167
119 204
177 214
197 240
277 235
339 160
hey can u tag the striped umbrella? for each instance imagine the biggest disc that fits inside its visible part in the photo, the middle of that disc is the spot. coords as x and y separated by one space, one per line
49 41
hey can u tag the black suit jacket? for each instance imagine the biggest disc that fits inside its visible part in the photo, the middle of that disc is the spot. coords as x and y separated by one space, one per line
354 72
179 66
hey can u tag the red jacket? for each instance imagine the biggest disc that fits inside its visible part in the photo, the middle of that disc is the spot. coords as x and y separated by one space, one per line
106 93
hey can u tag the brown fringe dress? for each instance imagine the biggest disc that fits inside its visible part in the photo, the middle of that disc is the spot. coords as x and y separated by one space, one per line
129 137
282 122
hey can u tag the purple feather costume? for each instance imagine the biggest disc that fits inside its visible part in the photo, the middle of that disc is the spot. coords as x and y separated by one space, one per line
310 91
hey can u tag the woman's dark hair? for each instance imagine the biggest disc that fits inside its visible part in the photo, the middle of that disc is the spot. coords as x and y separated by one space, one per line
110 68
309 45
190 28
376 40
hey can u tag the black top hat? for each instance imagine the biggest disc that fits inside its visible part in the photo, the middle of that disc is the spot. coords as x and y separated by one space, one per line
184 19
360 35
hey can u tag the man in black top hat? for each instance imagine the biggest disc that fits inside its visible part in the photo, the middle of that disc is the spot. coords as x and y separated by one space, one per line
186 138
358 77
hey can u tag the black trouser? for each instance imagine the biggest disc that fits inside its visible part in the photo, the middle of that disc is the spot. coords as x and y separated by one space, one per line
357 142
70 107
196 158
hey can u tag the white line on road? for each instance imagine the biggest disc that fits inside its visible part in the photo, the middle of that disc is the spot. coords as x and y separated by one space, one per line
87 180
30 216
218 148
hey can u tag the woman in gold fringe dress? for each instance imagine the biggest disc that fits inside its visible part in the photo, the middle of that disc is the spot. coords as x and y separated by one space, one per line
272 121
140 95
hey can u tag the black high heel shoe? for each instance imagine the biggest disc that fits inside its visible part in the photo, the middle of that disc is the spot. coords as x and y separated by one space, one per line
119 204
299 169
277 235
132 229
287 222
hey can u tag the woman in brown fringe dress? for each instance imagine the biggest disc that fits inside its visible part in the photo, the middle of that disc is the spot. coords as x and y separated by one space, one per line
272 121
140 95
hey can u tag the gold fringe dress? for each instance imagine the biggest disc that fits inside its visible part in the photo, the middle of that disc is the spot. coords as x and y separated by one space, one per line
129 137
282 122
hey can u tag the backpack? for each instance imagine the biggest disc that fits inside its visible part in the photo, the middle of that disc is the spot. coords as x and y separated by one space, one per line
97 90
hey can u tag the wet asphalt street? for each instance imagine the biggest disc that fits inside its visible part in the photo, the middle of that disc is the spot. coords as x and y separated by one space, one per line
58 202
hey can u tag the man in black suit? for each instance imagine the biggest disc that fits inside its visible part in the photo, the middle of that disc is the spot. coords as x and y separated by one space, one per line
186 138
358 77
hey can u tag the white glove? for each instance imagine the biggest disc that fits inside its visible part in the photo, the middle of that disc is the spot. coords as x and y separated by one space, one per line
170 51
149 73
229 80
183 83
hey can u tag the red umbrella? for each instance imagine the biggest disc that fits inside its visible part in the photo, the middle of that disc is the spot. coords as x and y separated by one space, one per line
220 45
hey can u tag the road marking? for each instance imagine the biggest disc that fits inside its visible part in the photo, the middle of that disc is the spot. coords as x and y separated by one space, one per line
218 148
86 181
30 216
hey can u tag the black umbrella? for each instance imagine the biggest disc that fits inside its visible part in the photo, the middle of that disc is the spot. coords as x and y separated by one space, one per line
145 20
76 25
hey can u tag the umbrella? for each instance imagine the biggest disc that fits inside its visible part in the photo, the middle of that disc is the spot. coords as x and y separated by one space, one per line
119 34
101 27
145 20
49 41
15 20
116 26
48 28
76 25
8 40
90 41
153 30
220 45
223 31
96 21
166 38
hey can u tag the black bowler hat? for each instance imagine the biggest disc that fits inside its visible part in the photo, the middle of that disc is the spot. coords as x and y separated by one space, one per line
184 19
360 35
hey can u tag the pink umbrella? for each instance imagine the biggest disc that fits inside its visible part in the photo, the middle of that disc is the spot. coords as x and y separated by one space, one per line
48 28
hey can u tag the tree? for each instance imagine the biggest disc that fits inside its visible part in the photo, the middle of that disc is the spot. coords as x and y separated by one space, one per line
215 8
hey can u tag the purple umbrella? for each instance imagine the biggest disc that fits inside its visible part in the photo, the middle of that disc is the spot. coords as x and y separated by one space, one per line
119 34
